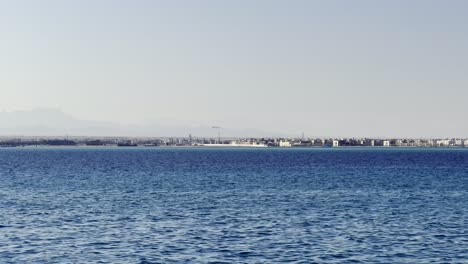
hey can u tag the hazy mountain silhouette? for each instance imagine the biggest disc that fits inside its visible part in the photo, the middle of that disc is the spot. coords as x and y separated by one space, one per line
54 122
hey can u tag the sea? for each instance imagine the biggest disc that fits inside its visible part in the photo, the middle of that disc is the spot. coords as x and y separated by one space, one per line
233 205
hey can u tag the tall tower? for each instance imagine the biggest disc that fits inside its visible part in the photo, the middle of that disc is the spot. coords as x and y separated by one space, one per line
219 133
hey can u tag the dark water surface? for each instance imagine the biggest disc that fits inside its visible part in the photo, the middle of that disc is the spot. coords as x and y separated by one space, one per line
233 205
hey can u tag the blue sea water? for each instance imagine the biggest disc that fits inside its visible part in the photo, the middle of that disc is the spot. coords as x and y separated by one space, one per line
194 205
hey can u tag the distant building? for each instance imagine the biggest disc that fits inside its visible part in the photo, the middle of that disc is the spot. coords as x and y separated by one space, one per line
369 142
386 143
417 143
443 142
430 143
336 143
285 143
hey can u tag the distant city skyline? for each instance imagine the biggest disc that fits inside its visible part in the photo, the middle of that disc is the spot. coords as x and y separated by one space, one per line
325 68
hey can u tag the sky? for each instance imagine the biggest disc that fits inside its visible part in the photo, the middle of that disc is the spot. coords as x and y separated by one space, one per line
325 68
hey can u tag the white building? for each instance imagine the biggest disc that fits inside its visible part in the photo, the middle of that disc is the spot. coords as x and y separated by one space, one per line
443 142
386 143
430 143
285 143
336 143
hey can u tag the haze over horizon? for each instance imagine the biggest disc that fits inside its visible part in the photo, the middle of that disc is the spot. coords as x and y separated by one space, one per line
56 123
334 68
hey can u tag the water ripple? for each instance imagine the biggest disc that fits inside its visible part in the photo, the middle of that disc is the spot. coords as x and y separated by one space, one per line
233 206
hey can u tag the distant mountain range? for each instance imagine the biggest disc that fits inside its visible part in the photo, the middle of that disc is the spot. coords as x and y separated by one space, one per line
54 122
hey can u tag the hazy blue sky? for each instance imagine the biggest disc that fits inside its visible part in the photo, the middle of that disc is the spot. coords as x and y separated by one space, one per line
351 68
